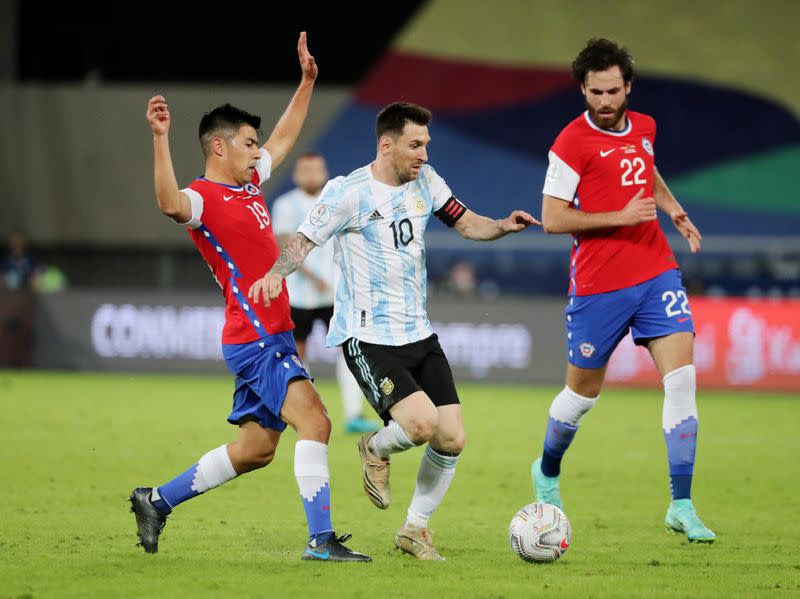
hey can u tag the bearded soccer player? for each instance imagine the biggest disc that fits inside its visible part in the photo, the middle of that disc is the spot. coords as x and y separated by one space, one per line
602 187
227 219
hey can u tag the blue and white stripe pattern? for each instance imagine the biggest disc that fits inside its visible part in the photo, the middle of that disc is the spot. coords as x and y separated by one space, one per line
380 254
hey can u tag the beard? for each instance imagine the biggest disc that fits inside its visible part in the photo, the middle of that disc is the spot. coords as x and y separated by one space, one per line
405 175
607 120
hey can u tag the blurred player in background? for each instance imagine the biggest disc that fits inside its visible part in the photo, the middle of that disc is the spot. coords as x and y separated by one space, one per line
227 219
377 216
602 186
311 287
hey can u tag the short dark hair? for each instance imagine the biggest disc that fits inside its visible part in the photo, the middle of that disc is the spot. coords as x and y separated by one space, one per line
225 119
392 119
601 54
308 154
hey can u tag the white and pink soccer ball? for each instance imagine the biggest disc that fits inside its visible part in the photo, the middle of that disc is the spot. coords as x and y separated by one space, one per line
539 532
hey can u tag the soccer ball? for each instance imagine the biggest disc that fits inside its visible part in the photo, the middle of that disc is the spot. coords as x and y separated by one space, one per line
539 532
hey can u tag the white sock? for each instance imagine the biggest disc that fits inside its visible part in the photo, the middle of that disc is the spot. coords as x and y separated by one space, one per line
680 388
435 474
213 469
311 467
390 439
352 398
569 407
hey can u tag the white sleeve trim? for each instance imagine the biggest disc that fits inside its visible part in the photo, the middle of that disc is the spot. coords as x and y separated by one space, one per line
197 208
560 181
308 231
264 166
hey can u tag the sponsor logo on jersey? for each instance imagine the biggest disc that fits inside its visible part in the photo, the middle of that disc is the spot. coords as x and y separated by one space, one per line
375 216
648 147
552 172
227 198
387 386
252 189
587 349
297 361
320 215
604 153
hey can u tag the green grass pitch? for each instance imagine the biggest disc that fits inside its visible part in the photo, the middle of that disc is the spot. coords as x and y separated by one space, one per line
74 445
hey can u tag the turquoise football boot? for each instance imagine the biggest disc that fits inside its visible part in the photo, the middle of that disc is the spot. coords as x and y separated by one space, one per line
359 424
545 487
682 518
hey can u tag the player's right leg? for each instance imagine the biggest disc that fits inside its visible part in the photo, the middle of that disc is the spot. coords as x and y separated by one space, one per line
254 448
410 416
566 412
595 324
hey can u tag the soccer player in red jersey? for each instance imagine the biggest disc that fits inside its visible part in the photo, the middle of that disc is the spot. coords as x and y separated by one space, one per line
602 186
227 218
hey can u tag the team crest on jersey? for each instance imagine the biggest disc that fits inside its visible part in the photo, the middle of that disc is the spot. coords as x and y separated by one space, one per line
587 349
648 147
419 204
252 189
319 215
387 386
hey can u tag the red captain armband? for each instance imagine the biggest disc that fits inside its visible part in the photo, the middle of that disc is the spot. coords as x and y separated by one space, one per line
452 210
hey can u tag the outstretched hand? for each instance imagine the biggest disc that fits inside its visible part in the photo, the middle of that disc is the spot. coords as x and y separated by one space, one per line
307 62
517 221
158 115
686 227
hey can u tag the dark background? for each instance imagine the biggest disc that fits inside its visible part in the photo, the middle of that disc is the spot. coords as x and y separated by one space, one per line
168 42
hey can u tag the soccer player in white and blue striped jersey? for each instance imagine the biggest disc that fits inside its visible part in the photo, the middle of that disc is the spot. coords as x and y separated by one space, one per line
311 286
377 216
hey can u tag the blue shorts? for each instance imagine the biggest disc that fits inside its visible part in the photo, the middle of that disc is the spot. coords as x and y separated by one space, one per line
263 370
597 323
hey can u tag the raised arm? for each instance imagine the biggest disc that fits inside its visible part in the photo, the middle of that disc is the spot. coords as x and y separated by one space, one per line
285 133
270 285
171 200
559 217
669 205
481 228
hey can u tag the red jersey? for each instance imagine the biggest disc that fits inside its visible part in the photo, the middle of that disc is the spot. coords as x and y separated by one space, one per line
599 170
233 231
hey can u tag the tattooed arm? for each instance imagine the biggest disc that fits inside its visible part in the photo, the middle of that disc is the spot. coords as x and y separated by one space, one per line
270 285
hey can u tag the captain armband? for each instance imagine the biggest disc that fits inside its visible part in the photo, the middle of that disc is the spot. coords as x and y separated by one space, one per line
452 210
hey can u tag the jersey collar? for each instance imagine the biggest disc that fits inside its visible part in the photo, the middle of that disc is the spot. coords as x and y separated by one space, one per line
628 128
233 187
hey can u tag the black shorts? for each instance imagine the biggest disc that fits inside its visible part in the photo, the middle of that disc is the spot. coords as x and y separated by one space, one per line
388 373
304 318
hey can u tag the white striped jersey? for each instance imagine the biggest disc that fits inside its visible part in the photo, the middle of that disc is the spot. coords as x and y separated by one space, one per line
288 213
378 229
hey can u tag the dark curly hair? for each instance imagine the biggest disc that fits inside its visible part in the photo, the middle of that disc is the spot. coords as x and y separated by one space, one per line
601 54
